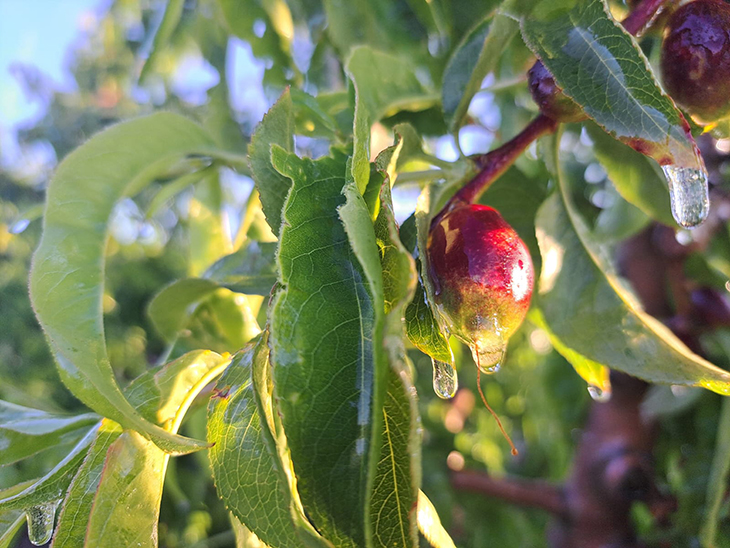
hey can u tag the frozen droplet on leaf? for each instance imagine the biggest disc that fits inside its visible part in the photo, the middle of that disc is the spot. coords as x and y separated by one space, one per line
445 379
40 522
599 394
488 358
689 194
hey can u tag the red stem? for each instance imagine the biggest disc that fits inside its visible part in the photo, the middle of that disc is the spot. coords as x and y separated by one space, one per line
641 16
532 493
496 162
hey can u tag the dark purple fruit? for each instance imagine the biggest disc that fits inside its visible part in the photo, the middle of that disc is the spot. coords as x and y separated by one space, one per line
695 59
550 98
483 278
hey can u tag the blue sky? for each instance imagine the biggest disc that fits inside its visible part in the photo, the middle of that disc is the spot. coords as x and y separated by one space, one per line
39 33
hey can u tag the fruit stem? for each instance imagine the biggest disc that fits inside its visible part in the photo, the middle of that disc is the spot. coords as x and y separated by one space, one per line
496 417
496 162
641 16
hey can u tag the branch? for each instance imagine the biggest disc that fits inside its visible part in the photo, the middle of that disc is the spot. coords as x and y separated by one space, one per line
534 494
496 162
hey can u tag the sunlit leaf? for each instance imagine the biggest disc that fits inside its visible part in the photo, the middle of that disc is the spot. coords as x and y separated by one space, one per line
51 487
430 526
595 374
74 516
25 432
114 497
10 525
590 310
67 278
121 480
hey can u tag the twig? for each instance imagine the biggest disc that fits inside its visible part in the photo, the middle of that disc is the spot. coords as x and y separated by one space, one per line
534 494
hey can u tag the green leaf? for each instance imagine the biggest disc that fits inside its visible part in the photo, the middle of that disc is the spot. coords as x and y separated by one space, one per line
11 521
171 189
79 501
323 324
126 465
51 487
595 374
588 308
717 482
127 503
25 432
639 180
172 308
67 277
240 17
384 84
122 477
599 65
249 471
223 322
162 34
618 221
473 59
430 526
162 395
423 331
398 473
250 270
209 238
421 327
10 525
277 128
245 538
311 119
355 22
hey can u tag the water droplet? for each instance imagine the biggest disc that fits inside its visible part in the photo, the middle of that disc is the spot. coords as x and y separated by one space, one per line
445 379
19 226
40 522
689 194
488 358
598 394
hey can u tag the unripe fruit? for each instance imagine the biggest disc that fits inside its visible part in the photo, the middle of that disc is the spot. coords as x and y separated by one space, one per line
695 58
482 276
550 98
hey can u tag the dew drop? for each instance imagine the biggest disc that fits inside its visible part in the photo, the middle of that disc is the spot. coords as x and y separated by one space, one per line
598 394
689 194
445 379
40 522
488 358
19 226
